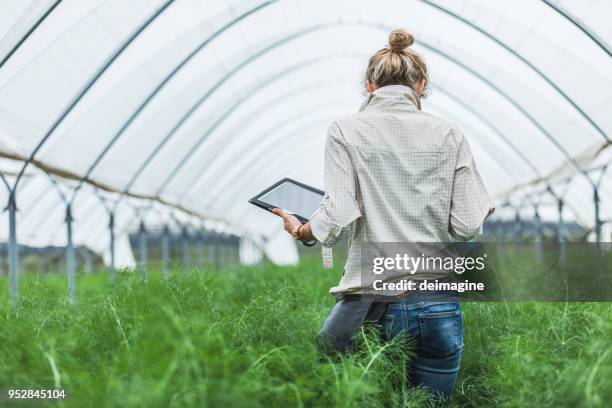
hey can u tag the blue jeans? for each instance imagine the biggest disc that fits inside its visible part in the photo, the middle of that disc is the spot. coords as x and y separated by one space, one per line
436 329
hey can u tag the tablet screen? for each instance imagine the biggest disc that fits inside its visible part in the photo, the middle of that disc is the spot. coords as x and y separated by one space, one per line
294 197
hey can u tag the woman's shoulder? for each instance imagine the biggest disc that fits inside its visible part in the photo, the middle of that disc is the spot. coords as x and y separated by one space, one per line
367 127
444 124
438 124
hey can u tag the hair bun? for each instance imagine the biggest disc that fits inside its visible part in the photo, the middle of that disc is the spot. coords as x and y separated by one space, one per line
400 40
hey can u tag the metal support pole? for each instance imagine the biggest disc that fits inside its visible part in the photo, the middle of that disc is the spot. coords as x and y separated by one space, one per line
200 249
13 250
597 214
185 247
165 252
70 256
598 222
111 231
538 232
561 230
142 246
517 227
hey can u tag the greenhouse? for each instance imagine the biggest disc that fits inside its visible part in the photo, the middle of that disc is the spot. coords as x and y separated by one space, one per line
134 133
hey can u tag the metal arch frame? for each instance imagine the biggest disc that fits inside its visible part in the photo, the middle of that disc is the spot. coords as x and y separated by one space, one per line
559 181
29 32
509 99
456 62
594 184
440 8
572 208
278 169
162 84
436 50
271 129
47 219
202 99
205 97
310 124
70 251
35 153
503 137
37 202
443 55
108 63
5 182
265 4
66 202
255 56
12 206
254 160
251 93
128 225
274 140
491 126
426 45
140 211
587 170
254 113
582 27
459 102
535 69
112 224
13 248
483 144
101 70
261 170
559 196
55 184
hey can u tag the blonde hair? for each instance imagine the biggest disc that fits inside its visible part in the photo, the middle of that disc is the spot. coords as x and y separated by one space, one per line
397 64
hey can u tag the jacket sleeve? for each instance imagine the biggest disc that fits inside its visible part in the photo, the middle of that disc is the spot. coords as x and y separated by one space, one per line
339 207
470 202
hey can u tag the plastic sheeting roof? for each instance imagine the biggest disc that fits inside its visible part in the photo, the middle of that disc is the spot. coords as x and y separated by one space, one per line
198 105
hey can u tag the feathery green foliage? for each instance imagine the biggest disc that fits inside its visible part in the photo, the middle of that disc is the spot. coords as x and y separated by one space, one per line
245 336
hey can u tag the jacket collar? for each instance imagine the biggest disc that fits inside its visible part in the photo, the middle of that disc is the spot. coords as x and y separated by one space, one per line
400 96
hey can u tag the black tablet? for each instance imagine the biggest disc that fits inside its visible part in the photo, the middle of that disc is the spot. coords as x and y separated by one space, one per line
292 196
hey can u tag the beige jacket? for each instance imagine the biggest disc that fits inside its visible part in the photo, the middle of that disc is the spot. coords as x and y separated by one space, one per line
396 174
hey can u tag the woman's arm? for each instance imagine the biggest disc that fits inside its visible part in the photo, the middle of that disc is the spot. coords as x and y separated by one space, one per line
339 207
470 202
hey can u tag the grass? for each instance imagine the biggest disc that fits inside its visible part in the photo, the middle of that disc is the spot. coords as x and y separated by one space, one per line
245 337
